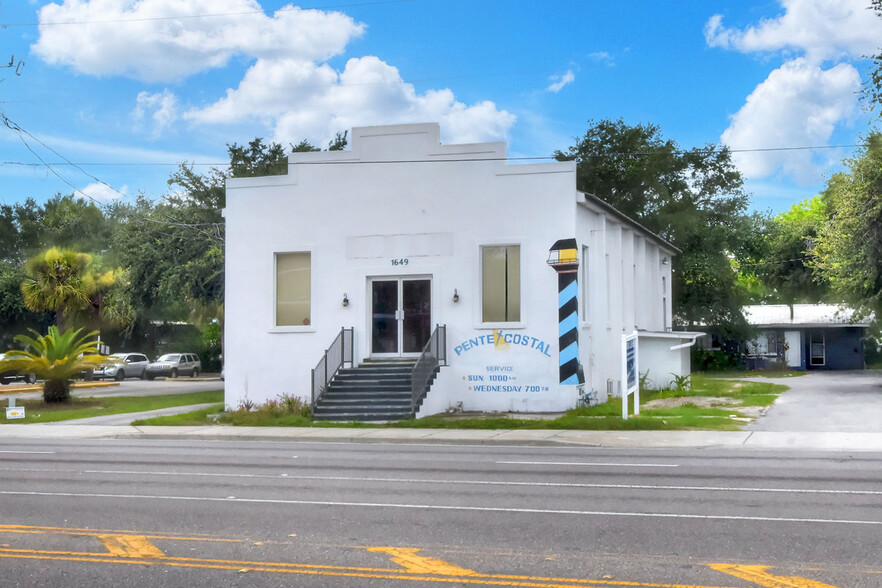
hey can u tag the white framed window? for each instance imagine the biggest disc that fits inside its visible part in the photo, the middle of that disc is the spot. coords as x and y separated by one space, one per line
817 348
586 316
293 287
501 283
609 301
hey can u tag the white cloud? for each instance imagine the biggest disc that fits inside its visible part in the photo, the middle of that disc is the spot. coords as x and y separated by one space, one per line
164 40
289 86
803 101
820 28
103 192
799 104
560 81
163 106
602 57
306 100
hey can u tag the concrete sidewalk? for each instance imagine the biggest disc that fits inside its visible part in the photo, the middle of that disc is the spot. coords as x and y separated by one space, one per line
812 441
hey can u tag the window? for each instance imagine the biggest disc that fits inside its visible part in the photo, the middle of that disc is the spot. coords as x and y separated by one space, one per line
501 283
292 289
817 349
585 305
608 288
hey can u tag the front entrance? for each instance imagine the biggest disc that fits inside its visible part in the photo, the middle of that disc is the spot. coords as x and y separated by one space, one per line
401 315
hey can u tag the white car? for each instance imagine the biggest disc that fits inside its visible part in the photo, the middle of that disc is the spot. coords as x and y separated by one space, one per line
130 365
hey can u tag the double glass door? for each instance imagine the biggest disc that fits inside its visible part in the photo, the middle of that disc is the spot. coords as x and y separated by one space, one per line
401 315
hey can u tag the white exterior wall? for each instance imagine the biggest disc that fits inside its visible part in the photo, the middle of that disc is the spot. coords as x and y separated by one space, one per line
357 218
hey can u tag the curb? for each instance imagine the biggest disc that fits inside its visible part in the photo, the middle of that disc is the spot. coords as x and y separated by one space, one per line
706 440
15 389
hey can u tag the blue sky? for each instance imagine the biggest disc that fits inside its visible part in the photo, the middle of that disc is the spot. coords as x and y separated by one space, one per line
129 89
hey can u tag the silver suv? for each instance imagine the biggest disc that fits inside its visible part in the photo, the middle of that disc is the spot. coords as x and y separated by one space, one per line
130 365
172 365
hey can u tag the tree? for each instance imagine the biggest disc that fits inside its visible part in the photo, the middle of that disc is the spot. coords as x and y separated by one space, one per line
871 93
76 286
257 159
788 270
76 223
56 358
21 230
56 282
340 141
15 317
693 198
849 246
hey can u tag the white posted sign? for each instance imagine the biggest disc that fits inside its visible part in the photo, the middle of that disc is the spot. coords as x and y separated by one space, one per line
630 373
15 412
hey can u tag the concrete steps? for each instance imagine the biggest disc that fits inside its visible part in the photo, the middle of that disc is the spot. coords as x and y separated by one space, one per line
376 390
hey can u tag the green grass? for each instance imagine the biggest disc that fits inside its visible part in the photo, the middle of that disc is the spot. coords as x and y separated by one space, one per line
754 374
604 417
80 408
188 419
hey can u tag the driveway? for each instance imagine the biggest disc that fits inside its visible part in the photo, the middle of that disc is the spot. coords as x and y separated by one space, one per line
848 401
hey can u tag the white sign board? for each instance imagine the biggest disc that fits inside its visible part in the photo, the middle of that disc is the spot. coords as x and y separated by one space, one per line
15 412
630 373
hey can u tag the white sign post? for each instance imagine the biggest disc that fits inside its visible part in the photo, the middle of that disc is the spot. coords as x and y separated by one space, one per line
630 374
13 411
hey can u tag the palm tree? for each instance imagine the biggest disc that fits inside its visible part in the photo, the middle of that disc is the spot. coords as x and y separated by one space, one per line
78 287
56 358
57 282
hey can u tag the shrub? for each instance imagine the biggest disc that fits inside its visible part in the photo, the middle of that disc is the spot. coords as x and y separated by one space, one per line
712 360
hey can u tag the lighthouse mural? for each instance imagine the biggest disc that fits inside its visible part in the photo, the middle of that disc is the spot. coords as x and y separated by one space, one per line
564 258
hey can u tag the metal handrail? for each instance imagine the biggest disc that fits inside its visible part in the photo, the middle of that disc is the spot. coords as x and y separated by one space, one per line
434 356
336 356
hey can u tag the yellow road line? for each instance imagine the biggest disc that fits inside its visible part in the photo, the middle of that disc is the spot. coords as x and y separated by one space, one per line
184 560
407 558
759 576
95 532
304 569
130 546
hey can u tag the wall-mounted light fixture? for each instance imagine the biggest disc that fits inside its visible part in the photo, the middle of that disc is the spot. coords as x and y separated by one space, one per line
455 295
664 260
345 299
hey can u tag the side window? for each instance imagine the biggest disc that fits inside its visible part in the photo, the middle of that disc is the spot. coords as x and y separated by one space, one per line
293 289
501 283
584 285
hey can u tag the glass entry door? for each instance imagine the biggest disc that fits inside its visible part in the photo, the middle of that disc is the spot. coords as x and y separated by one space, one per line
401 315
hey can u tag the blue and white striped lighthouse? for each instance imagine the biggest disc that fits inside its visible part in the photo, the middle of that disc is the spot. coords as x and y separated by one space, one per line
564 258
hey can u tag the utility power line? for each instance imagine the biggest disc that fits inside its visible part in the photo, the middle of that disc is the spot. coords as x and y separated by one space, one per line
22 134
609 155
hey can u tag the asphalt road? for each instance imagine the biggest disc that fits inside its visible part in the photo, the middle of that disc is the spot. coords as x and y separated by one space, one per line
131 387
176 513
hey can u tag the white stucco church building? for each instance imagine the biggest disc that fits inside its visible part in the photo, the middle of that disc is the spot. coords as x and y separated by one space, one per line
515 287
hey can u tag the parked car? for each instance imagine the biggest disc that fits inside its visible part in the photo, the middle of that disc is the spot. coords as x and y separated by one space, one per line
172 365
130 365
14 376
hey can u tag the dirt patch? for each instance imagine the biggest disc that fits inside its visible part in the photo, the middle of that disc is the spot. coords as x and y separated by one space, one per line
750 412
700 401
